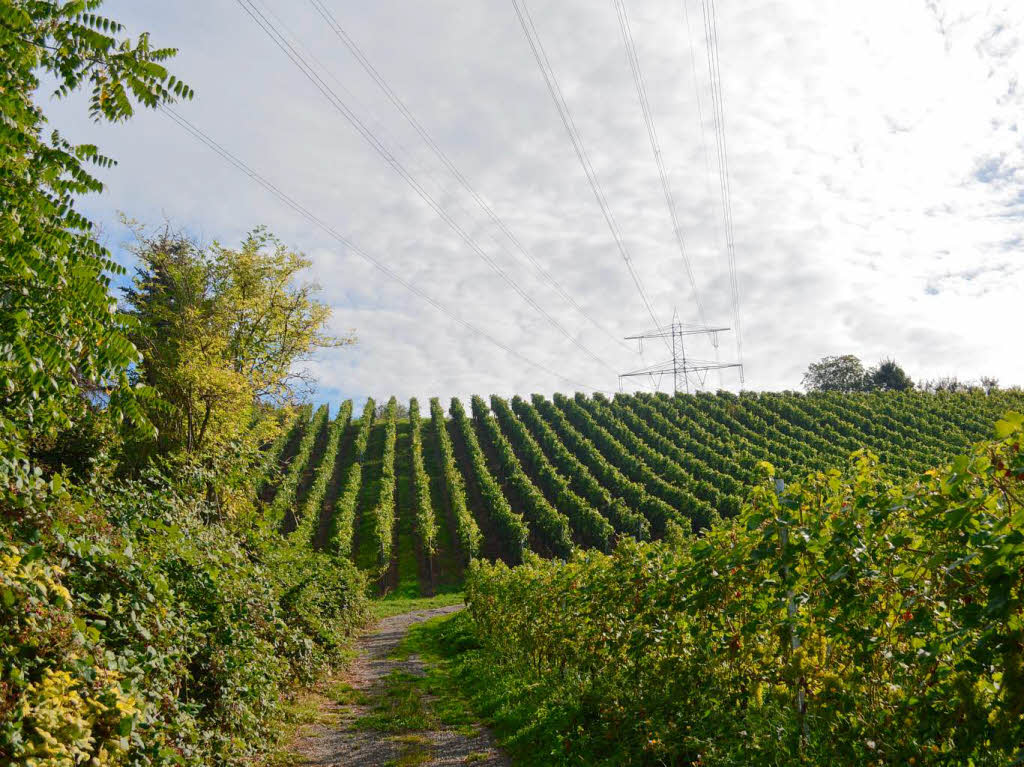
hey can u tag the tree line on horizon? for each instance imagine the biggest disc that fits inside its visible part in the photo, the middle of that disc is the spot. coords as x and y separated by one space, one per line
847 373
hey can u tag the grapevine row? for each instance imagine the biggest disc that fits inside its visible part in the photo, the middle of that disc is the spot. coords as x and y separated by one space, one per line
657 512
273 455
551 528
344 517
425 519
718 490
591 529
511 529
567 471
284 501
466 528
628 453
383 512
580 477
313 503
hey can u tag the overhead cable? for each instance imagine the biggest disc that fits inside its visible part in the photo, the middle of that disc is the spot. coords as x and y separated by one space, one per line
562 107
445 160
303 211
652 135
375 142
714 74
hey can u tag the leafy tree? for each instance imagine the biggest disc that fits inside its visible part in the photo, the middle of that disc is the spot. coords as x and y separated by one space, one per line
120 641
60 333
221 329
888 376
845 373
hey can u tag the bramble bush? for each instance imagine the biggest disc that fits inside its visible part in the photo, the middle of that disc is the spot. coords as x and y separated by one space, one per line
139 627
844 619
148 613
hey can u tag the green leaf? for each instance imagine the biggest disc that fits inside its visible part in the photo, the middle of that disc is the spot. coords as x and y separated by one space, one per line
957 516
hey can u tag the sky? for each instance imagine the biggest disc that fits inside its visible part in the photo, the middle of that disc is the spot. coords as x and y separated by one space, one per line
875 167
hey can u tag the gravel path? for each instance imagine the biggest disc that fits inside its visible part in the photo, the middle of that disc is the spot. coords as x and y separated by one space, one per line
340 743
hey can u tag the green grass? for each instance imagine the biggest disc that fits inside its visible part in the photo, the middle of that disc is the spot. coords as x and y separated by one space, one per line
415 750
407 703
401 707
303 707
345 694
435 642
395 604
470 687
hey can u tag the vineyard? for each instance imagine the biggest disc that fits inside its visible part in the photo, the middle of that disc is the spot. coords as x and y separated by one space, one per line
413 500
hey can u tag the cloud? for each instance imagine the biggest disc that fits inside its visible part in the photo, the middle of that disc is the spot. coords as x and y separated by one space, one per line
873 147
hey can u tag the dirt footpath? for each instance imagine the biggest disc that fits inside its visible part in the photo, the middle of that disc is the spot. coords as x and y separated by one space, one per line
349 741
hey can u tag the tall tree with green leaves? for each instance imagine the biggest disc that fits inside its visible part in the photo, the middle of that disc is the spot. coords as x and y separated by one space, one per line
889 376
845 373
61 336
221 329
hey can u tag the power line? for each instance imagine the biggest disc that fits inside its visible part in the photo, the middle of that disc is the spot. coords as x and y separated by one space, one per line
296 206
652 135
376 123
289 50
714 73
410 159
442 156
700 119
547 71
704 151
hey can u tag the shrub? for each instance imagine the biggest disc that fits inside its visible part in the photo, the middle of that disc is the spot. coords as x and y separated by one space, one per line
138 626
845 619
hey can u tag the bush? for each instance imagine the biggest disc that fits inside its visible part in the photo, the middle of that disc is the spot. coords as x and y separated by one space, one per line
845 619
137 627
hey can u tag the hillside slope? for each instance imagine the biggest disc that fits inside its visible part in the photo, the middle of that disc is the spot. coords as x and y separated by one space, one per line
548 474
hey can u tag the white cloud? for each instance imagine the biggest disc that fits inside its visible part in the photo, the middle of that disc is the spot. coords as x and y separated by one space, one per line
874 148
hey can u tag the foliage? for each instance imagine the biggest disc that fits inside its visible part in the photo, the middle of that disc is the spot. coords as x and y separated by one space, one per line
292 423
847 374
426 522
987 384
147 615
687 491
401 411
466 528
60 334
582 480
511 528
845 619
589 526
343 519
136 629
622 472
550 526
220 329
383 513
282 508
313 503
843 373
888 376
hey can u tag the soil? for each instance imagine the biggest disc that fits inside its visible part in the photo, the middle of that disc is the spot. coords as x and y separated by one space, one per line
337 742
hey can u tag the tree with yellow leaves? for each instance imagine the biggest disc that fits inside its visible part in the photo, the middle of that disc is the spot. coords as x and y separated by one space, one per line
221 330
